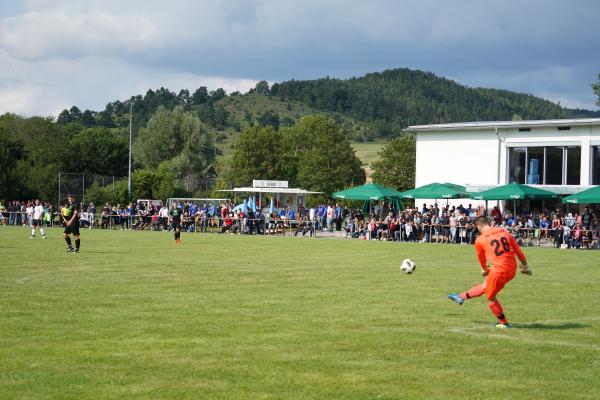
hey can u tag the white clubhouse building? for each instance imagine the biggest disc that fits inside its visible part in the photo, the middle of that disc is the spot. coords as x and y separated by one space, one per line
560 155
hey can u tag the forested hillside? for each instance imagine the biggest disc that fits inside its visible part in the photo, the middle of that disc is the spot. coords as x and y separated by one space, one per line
179 137
378 105
393 99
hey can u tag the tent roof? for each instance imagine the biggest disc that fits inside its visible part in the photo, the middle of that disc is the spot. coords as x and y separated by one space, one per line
514 191
370 191
269 190
437 190
590 196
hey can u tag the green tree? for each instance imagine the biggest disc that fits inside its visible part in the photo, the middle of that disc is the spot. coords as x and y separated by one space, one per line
396 165
75 113
64 117
320 156
596 87
87 119
184 99
256 155
11 151
179 138
268 118
200 96
262 87
97 151
164 135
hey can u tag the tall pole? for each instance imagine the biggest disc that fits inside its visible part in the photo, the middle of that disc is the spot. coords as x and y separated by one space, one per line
130 123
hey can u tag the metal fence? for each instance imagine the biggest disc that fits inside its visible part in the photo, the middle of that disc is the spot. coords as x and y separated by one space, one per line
406 232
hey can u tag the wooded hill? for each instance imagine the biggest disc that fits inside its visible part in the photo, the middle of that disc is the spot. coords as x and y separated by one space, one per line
377 105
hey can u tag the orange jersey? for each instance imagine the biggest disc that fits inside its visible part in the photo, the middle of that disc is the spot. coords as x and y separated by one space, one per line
499 248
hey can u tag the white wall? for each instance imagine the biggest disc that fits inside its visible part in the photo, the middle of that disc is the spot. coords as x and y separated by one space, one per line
479 157
457 157
468 157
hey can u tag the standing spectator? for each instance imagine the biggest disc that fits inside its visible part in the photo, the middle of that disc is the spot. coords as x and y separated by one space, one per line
330 217
496 215
453 229
462 222
91 215
557 231
163 217
29 213
586 222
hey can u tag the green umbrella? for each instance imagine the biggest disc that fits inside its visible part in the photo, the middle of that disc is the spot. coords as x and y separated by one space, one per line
588 196
371 191
514 191
437 191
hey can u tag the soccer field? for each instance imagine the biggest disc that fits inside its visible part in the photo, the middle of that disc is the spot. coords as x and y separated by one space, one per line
237 317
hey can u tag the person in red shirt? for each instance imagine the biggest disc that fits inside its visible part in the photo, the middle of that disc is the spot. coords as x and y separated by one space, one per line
499 248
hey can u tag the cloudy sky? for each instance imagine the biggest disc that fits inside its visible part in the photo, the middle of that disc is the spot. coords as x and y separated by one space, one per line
58 53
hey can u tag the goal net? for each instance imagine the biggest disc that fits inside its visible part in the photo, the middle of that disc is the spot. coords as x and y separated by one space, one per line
71 184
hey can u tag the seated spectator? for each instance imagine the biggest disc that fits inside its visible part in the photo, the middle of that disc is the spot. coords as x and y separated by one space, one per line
227 223
577 236
544 225
84 219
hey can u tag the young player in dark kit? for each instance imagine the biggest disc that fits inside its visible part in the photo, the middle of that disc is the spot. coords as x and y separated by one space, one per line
70 216
175 221
497 246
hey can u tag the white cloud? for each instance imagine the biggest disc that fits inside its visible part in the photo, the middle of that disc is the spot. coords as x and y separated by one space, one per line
56 53
53 33
90 83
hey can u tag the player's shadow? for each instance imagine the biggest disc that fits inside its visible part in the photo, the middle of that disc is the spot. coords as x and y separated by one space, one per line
552 326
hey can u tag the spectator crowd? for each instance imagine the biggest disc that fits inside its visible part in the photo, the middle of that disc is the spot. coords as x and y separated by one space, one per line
429 223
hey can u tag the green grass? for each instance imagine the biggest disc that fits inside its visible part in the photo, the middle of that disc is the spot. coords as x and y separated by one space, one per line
367 151
255 104
233 317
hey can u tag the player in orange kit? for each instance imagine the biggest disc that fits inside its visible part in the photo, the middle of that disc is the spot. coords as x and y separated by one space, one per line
498 247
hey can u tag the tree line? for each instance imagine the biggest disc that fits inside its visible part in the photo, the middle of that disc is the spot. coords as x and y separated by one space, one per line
394 99
174 136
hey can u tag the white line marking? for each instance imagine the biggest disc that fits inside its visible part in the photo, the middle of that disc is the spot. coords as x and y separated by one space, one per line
478 331
527 324
22 280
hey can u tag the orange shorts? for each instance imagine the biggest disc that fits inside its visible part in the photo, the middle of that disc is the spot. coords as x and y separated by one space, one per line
495 281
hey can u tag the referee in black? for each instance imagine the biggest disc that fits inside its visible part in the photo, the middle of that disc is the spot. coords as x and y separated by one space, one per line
175 219
71 221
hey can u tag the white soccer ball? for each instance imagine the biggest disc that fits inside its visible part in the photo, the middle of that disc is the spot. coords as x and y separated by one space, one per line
408 266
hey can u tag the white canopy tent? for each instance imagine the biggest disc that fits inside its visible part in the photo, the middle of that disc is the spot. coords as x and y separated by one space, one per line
282 195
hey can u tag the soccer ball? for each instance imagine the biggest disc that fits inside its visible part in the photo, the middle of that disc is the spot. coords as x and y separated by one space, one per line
408 266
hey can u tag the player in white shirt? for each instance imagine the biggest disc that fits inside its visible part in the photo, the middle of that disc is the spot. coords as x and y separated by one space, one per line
38 216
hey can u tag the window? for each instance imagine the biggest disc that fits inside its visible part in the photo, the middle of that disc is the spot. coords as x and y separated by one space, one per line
573 165
564 128
535 165
516 164
552 165
595 165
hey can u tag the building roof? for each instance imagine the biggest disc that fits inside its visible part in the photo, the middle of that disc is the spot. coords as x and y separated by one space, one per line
504 124
269 190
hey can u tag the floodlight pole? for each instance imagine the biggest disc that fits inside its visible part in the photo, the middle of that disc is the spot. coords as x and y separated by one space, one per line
130 129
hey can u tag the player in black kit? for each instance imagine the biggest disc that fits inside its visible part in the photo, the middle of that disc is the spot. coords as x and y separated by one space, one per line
70 218
175 220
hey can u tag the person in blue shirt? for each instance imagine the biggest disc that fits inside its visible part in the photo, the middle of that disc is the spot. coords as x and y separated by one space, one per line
321 211
338 217
544 224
